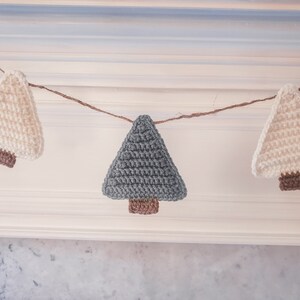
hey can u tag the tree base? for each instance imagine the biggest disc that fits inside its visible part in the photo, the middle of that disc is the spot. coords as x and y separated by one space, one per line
144 207
7 158
290 182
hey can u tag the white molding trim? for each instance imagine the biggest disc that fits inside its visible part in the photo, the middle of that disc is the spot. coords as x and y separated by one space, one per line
158 76
187 4
118 48
87 215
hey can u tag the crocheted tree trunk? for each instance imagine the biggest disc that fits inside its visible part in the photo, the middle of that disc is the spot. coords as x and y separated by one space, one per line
144 207
290 182
20 129
143 171
7 159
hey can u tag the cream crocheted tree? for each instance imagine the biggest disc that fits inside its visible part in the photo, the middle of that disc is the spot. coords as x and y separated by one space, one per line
278 150
20 129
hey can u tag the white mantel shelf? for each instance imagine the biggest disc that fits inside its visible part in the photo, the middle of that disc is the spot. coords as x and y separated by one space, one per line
161 58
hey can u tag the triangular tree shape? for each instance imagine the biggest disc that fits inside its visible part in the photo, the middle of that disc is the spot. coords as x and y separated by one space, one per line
143 170
278 150
20 129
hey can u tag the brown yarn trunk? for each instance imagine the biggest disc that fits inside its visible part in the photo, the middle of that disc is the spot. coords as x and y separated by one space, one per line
143 207
290 181
7 158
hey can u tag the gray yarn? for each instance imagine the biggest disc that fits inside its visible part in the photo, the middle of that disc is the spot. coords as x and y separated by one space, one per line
143 168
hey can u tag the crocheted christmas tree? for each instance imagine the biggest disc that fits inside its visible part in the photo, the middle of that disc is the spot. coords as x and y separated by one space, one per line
278 150
143 170
20 129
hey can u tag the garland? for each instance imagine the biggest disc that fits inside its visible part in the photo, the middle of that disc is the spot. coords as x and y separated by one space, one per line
143 170
188 116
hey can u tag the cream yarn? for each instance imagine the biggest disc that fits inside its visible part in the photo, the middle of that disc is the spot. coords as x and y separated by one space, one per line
20 128
278 149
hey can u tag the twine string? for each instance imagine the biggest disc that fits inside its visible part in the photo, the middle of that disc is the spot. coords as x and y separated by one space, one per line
183 116
80 102
211 112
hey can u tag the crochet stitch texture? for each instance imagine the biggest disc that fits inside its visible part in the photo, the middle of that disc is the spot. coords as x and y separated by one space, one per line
278 149
143 168
20 129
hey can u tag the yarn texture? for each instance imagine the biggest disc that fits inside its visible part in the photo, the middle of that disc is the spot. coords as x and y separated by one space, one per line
278 149
143 168
7 159
143 207
20 129
290 182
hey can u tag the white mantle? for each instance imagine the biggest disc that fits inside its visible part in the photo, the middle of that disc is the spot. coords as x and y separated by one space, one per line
161 58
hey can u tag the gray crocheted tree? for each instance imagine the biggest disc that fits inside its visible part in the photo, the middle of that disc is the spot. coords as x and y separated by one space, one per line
143 170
